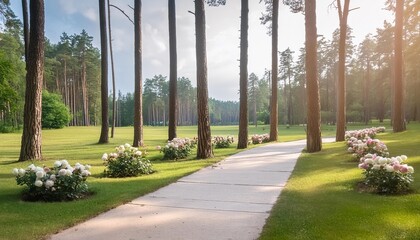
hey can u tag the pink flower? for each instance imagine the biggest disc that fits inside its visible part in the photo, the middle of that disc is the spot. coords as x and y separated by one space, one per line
404 168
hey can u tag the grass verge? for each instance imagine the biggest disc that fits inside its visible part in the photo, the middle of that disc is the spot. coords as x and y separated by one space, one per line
320 201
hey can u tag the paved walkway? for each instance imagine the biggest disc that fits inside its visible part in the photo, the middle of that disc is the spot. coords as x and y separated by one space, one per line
229 200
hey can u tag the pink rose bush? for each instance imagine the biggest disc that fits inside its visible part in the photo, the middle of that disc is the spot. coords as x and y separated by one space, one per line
384 174
178 148
260 138
60 183
387 175
222 142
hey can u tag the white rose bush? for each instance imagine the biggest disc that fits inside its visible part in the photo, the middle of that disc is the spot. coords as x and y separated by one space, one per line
62 182
222 142
383 174
126 161
178 148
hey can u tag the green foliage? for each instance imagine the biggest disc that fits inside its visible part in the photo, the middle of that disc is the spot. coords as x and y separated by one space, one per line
385 182
60 183
126 162
54 113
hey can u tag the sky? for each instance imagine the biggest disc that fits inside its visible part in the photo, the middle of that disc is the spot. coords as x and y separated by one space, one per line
222 31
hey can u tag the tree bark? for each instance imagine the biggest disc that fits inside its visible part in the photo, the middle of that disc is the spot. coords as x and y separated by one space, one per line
104 73
32 135
274 69
172 71
341 84
398 123
138 105
25 27
313 133
114 107
243 81
204 149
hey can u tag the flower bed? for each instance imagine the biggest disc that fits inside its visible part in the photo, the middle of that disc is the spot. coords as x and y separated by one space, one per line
221 142
178 148
60 183
127 161
359 148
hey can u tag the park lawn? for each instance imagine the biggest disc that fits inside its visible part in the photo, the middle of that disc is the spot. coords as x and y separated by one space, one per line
320 200
36 220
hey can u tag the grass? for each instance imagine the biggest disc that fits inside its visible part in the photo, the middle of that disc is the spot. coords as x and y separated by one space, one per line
320 201
36 220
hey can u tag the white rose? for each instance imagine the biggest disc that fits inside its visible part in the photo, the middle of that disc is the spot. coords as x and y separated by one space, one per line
382 160
104 157
68 172
22 172
127 145
389 168
369 161
49 183
57 164
410 169
40 174
62 172
64 162
38 183
138 153
399 159
31 167
85 173
15 171
403 157
53 177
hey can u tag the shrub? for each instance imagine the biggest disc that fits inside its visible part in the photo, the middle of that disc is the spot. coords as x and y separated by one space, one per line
127 161
178 148
62 182
387 175
54 113
364 133
258 139
360 148
221 142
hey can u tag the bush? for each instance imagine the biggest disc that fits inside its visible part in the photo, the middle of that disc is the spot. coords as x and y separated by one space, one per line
178 148
127 161
387 175
60 183
258 139
360 148
54 113
221 142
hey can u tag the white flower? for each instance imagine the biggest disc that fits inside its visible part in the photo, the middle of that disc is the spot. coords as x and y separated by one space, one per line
403 157
62 172
15 171
31 167
369 161
87 167
53 177
40 174
389 168
64 163
399 159
138 153
57 164
127 145
68 172
49 183
39 169
85 173
410 169
22 172
382 160
104 157
376 167
38 183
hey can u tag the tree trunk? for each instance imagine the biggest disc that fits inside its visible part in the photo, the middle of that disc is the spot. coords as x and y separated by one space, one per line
114 107
84 95
399 113
204 149
138 106
25 27
341 84
313 133
31 136
172 71
243 81
366 99
104 73
274 69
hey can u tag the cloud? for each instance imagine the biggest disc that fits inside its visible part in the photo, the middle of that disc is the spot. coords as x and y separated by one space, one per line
91 14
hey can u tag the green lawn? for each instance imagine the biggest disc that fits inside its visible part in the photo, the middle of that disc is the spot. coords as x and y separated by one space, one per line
35 220
320 201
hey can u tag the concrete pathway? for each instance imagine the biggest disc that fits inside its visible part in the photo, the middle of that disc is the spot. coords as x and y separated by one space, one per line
229 200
